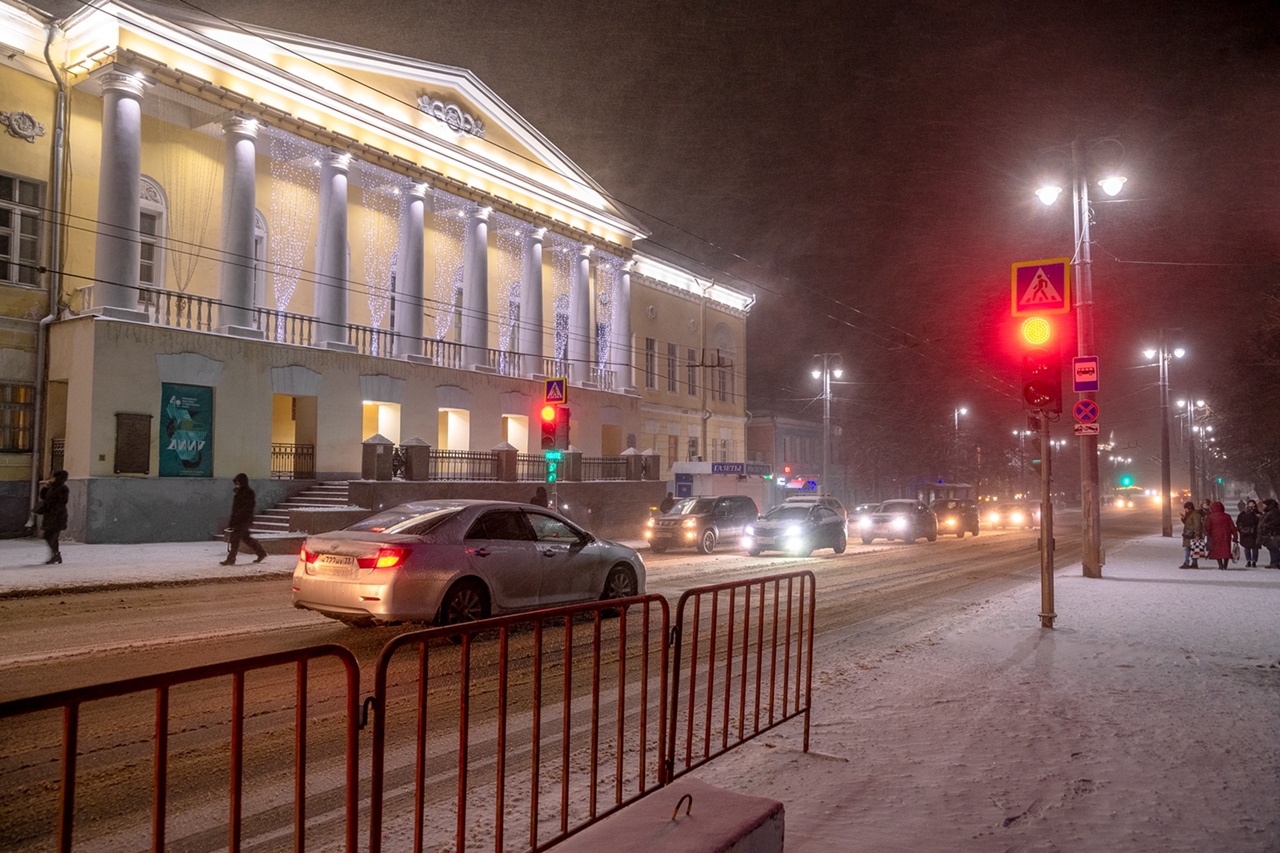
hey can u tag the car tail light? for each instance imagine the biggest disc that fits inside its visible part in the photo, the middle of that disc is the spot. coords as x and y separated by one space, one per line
386 558
308 557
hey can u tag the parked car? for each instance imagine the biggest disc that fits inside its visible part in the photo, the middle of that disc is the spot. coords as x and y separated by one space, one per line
820 500
903 519
798 528
1014 514
452 561
701 522
956 515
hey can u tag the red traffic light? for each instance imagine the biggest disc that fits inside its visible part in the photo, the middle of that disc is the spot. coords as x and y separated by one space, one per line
549 418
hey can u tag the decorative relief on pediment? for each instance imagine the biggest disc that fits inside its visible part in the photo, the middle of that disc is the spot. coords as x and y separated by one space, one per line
451 115
22 125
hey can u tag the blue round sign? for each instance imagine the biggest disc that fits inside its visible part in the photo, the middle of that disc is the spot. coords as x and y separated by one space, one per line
1085 411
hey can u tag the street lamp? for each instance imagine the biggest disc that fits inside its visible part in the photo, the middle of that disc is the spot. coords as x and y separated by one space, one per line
826 366
960 411
1164 354
1191 438
1111 184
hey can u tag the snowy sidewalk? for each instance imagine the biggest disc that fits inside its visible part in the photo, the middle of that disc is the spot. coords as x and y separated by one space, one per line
86 567
1148 719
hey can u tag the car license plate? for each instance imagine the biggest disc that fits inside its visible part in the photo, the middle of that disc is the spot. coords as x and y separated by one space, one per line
764 540
335 564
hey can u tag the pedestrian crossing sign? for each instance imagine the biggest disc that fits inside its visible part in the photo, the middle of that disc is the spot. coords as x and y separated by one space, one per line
1042 287
555 391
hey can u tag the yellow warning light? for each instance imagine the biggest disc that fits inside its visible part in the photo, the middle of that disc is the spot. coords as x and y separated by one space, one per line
1036 330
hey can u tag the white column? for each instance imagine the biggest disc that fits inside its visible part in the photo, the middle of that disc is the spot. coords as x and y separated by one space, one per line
620 346
410 266
116 259
235 287
475 289
580 360
531 332
331 252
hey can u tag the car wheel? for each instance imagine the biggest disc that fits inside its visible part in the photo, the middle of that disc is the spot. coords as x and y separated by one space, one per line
959 534
466 601
753 552
867 540
621 583
842 542
707 543
356 621
932 537
974 531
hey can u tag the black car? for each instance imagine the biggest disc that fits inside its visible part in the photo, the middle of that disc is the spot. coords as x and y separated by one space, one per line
702 523
956 515
904 519
797 528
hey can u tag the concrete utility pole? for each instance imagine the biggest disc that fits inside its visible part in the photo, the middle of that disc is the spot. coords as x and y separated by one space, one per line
1091 505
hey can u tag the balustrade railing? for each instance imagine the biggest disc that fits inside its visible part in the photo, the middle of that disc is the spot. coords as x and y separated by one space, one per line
369 340
443 353
463 465
602 377
178 310
284 327
293 461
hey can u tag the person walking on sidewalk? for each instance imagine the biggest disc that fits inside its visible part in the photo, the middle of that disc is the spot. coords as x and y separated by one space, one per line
1222 533
1247 529
1269 531
53 509
243 507
1192 528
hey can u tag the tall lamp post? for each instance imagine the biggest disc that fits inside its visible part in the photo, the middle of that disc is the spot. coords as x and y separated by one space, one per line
1163 354
1091 510
1191 439
826 366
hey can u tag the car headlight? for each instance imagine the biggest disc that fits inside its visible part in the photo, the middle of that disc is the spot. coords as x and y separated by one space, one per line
1016 518
649 523
793 531
994 518
899 523
749 531
951 522
865 521
689 522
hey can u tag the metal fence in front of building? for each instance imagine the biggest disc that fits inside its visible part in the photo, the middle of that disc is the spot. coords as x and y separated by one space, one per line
604 468
463 465
293 461
531 468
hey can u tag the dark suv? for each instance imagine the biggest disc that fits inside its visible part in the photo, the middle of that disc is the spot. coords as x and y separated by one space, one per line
701 522
956 516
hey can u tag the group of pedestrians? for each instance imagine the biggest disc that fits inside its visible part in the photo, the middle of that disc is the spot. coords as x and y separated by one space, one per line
1209 532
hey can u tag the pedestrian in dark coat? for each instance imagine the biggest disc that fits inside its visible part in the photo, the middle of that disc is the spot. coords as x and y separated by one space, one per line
53 508
540 497
1222 533
667 503
1192 528
1269 531
243 508
1247 530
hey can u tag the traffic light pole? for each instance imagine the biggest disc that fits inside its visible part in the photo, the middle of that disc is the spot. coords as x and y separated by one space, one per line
1046 527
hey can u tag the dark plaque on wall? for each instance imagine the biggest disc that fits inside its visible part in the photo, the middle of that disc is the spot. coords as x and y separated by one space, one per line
133 443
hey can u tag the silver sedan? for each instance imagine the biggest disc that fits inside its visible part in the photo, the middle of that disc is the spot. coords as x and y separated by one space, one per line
451 561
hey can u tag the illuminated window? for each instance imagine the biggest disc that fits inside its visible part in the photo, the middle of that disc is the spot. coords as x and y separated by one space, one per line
17 414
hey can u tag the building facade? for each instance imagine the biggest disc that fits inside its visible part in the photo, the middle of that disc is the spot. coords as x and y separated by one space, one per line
230 249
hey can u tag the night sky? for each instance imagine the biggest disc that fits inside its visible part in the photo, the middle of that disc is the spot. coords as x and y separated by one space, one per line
867 169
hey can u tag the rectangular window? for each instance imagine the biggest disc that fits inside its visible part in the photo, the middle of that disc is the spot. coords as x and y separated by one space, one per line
650 363
672 368
723 390
17 414
691 377
19 230
148 229
673 450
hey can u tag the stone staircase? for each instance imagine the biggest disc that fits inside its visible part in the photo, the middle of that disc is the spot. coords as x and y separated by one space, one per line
275 521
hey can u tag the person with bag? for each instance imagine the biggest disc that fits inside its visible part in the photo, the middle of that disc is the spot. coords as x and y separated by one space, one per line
1269 531
1192 534
53 509
243 507
1221 531
1247 529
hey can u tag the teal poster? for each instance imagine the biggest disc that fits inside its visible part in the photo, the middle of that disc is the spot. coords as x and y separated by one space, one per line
186 431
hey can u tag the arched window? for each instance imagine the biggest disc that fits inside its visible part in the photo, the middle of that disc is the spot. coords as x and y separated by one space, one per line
152 224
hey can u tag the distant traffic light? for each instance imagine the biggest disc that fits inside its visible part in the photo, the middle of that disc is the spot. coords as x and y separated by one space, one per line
1126 480
549 418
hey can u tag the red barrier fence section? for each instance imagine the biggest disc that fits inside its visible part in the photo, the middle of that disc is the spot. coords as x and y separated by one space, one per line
578 714
198 726
748 665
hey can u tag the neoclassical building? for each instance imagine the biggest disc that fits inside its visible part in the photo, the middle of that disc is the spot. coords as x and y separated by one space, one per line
225 249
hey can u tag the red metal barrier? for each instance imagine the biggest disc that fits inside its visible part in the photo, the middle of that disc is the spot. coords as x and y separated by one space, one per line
529 646
72 701
776 616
